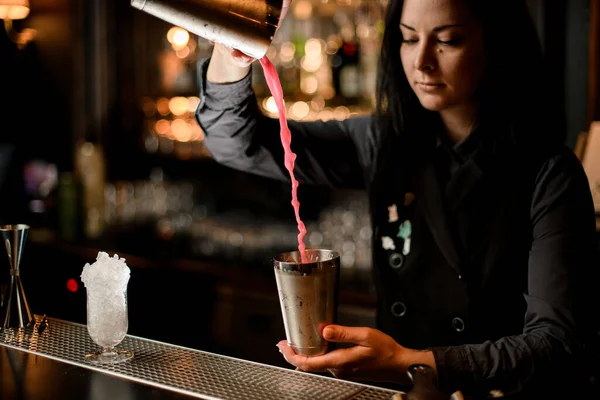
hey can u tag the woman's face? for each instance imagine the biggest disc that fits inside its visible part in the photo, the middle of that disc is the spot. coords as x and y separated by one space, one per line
442 52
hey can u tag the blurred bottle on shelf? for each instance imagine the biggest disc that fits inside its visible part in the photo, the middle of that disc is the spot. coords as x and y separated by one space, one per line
69 206
40 184
370 26
345 63
91 171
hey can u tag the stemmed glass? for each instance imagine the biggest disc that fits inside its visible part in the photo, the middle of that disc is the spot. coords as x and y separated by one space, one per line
107 323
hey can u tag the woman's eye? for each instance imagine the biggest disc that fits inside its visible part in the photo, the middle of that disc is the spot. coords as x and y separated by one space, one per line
409 40
451 42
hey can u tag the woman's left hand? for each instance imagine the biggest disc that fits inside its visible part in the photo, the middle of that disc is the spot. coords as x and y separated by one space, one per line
375 356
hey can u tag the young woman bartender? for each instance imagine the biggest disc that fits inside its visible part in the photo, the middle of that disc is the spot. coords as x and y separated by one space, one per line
483 224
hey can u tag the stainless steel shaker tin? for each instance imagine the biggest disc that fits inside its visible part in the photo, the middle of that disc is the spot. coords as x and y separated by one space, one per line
308 295
246 25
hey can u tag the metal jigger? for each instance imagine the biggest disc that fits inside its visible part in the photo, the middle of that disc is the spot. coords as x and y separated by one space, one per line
15 310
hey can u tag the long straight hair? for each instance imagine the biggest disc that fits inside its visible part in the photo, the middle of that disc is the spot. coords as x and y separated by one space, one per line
515 91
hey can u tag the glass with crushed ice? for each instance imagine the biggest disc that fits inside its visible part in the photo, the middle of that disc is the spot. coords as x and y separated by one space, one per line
106 285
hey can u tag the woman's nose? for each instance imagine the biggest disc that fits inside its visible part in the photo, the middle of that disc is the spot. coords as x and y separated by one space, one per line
425 57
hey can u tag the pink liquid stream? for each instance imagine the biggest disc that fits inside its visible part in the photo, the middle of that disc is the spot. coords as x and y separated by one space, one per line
286 140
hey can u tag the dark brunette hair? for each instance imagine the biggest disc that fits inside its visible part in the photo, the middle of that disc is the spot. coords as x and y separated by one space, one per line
515 91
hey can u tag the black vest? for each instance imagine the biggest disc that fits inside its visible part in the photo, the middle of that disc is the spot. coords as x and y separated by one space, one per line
462 276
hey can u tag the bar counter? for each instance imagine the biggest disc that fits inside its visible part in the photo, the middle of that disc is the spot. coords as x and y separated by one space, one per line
46 361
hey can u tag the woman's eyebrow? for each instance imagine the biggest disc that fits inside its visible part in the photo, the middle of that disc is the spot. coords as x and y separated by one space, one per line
436 29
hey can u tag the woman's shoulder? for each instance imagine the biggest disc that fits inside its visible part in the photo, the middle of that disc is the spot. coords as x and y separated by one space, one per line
554 164
553 156
360 122
360 128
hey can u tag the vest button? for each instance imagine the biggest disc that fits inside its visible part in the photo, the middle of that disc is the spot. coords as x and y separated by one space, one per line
396 260
458 324
398 309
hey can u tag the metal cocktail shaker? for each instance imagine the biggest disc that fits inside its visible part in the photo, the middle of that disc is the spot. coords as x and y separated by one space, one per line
308 293
246 25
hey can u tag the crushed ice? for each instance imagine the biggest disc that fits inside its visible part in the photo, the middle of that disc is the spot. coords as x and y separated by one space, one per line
110 272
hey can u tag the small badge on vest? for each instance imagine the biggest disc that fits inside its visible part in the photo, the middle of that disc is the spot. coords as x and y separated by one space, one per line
405 232
388 243
392 213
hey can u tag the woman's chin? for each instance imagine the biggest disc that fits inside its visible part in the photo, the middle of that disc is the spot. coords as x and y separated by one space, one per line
433 103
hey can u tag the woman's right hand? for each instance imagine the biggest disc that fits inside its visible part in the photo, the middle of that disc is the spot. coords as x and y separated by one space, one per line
227 65
231 65
235 56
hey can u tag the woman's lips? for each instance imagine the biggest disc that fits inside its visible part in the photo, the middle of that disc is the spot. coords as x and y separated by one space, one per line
429 87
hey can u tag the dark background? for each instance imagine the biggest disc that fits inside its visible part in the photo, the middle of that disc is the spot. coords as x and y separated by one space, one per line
82 79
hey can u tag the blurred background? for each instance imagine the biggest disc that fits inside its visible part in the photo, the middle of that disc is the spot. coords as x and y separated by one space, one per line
99 150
